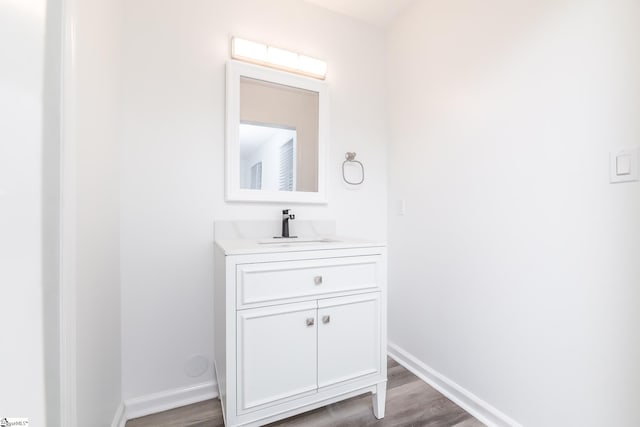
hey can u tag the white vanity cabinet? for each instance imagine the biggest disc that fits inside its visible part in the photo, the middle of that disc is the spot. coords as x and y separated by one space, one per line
298 327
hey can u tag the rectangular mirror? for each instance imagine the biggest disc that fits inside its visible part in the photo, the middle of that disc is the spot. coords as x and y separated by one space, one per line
275 136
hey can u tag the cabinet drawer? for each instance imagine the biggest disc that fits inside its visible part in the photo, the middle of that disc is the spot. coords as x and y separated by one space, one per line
265 282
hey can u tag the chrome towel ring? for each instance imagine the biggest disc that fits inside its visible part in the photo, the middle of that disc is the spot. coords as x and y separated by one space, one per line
351 158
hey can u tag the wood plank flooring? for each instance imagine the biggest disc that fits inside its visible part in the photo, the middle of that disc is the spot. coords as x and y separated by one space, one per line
410 403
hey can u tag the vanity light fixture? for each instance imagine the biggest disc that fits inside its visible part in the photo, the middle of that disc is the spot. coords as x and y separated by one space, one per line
269 56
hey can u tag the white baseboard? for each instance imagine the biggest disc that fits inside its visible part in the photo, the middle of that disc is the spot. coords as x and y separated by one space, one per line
458 394
169 399
119 420
175 398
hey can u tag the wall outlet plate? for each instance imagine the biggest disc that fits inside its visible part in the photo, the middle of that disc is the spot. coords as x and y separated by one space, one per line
623 165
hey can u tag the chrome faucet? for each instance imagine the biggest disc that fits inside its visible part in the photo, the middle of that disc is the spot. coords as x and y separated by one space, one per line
286 216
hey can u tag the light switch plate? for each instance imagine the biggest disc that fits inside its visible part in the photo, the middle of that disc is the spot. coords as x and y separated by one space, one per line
623 165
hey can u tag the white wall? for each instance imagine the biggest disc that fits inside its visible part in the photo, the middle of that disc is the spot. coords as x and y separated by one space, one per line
172 161
515 271
97 213
22 29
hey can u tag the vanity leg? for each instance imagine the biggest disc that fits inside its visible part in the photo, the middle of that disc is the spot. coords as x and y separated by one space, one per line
378 400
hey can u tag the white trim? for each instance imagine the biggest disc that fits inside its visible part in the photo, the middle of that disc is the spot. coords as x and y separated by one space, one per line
471 403
68 391
119 419
169 399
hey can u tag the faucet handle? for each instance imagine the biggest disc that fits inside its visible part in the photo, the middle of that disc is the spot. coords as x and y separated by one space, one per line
286 213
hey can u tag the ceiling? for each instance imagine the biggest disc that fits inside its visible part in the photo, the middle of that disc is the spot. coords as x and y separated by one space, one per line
376 12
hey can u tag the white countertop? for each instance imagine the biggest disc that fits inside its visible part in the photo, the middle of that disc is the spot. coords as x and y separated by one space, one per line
273 245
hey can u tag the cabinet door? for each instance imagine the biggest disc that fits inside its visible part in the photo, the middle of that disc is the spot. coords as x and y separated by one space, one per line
277 353
348 338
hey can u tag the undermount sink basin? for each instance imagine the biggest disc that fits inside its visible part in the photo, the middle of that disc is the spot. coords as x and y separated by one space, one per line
294 240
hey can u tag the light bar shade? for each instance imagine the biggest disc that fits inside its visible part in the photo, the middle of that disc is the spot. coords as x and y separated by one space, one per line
247 49
312 65
269 56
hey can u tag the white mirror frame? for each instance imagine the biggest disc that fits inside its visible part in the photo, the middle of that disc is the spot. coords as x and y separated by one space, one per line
234 193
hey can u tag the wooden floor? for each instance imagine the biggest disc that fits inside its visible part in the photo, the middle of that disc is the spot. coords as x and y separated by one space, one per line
410 403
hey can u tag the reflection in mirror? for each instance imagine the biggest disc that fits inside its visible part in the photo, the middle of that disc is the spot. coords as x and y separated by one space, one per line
267 110
277 128
267 157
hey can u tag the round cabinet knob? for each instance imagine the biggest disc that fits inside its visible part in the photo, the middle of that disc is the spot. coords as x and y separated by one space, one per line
317 280
311 321
326 319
